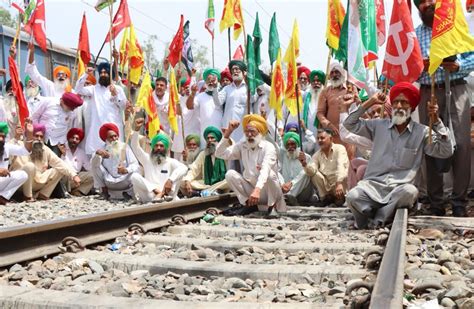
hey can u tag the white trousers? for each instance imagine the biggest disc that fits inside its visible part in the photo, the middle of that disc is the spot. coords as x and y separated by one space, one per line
144 188
270 195
9 184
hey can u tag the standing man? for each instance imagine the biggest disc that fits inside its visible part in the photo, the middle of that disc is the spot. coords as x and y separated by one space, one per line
258 185
161 98
107 105
459 68
310 100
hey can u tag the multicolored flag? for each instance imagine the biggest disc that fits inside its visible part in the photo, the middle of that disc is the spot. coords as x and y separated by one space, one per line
124 48
18 91
102 4
173 102
36 26
135 58
292 74
210 18
273 40
187 53
176 46
278 87
381 31
356 52
336 16
83 47
30 8
368 30
145 101
450 33
120 21
239 19
228 18
403 60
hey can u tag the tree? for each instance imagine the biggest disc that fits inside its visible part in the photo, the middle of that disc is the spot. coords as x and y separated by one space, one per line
151 60
201 59
6 19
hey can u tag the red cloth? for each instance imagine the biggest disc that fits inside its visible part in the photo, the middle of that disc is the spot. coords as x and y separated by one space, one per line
226 74
83 46
76 131
305 70
409 91
72 100
36 26
105 128
176 46
18 90
121 20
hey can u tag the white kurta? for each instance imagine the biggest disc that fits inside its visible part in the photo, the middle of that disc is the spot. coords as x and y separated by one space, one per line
110 165
103 108
77 160
191 124
33 103
162 109
47 86
9 184
210 112
56 120
235 100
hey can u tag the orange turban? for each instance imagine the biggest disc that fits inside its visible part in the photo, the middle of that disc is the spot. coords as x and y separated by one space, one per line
61 68
255 121
91 79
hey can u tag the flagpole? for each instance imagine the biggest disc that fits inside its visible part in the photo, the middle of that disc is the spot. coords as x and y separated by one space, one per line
98 54
212 46
228 42
75 69
111 11
299 116
180 109
327 67
433 98
19 43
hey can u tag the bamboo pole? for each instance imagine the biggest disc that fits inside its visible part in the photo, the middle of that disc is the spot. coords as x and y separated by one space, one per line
327 68
111 11
433 98
299 116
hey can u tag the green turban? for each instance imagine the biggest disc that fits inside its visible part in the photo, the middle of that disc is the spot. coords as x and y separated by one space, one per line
4 128
363 95
27 79
416 2
160 137
194 137
320 74
291 135
239 63
214 72
214 131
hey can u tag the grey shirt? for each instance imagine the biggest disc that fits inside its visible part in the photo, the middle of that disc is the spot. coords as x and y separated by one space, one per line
396 157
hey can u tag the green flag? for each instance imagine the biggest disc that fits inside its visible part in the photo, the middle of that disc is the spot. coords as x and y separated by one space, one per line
102 4
273 40
29 11
368 29
257 40
341 53
251 65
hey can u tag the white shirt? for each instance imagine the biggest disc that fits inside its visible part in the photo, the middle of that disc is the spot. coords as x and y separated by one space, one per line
12 150
47 86
77 160
235 100
103 108
162 109
191 124
210 112
56 120
110 165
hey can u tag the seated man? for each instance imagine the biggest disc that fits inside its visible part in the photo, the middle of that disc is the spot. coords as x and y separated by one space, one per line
399 145
77 159
259 184
11 181
207 172
309 141
296 185
44 168
112 166
191 151
328 169
162 173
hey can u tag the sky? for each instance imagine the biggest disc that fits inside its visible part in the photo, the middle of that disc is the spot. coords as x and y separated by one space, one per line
161 18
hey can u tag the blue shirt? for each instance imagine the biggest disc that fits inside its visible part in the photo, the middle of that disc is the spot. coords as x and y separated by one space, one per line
465 60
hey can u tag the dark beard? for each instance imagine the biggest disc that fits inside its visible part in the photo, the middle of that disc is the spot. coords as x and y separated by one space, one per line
2 148
211 149
428 16
157 157
104 81
37 151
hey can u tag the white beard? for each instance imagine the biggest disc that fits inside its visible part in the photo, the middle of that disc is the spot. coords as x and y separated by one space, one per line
304 87
60 86
10 103
210 88
192 154
114 148
256 142
336 83
32 92
400 119
314 95
238 78
293 155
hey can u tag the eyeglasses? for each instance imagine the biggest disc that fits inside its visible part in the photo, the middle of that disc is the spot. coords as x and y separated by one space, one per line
252 132
303 78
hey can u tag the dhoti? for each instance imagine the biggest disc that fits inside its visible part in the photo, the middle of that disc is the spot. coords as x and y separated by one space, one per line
144 188
9 184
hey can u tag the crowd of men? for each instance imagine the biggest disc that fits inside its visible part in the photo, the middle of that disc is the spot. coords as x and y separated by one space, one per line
364 149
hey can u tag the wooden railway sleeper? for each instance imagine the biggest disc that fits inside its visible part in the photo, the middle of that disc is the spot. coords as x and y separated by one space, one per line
358 301
71 244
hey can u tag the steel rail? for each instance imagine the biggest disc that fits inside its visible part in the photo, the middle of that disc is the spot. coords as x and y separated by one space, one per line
388 289
23 243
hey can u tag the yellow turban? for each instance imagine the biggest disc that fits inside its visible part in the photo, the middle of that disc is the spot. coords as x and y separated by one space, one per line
255 121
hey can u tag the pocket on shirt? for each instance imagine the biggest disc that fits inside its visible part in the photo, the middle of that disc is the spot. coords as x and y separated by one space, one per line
407 157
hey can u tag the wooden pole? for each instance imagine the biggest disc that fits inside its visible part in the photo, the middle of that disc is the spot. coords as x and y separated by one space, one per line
433 98
327 68
98 54
111 11
18 50
385 90
299 116
75 69
228 43
212 49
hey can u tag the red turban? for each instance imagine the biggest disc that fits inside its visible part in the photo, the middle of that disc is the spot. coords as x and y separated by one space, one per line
61 68
305 70
105 128
39 127
226 74
71 100
76 131
409 91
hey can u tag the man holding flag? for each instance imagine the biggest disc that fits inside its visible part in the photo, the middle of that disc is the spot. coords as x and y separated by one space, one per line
451 47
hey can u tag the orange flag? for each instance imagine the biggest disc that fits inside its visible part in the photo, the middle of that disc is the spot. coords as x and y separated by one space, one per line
278 87
336 15
83 47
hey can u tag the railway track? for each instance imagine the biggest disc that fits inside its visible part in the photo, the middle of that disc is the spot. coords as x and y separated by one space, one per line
164 256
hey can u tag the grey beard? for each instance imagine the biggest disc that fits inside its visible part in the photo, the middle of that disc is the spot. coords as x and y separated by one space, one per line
400 119
293 155
32 92
210 150
192 154
37 151
157 157
337 83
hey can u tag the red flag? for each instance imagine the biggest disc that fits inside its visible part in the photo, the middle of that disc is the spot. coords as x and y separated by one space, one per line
380 11
403 60
36 26
121 20
239 53
176 45
83 45
18 91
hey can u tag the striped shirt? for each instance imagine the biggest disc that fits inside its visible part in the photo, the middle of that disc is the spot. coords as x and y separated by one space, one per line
465 60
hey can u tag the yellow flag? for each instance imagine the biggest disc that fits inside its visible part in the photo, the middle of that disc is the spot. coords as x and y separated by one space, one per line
291 80
450 34
335 19
124 45
173 102
80 67
135 58
278 87
295 41
238 19
228 18
145 101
